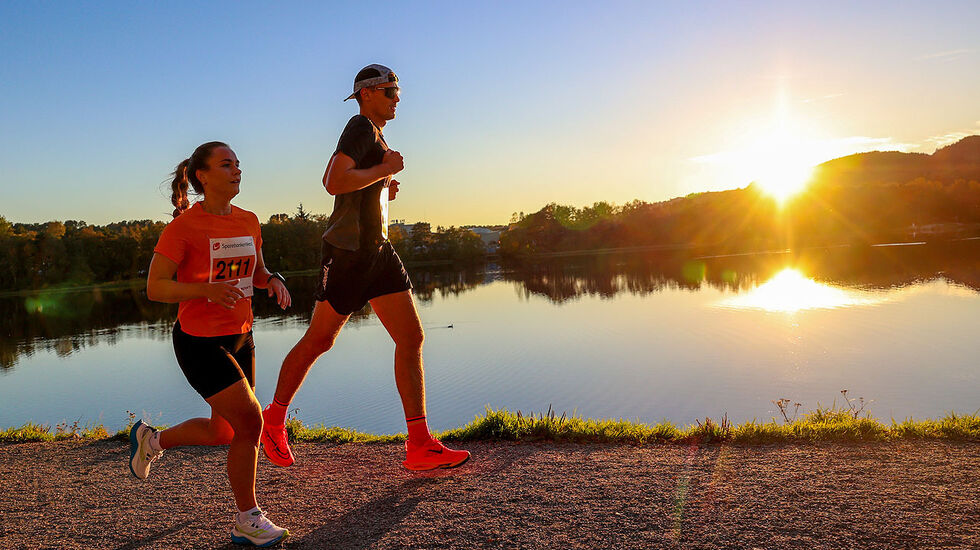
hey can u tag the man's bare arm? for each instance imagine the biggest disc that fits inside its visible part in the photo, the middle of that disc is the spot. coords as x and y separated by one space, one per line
341 176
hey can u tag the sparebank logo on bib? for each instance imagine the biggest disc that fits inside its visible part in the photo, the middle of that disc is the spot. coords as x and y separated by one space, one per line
225 246
233 262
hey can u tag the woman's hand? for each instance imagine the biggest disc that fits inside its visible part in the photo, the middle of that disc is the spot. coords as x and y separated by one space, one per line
278 289
223 294
392 189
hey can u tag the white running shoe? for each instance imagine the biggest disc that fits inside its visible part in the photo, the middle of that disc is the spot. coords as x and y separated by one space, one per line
255 529
140 453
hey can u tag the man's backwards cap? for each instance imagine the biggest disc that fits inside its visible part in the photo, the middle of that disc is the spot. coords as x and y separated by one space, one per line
372 75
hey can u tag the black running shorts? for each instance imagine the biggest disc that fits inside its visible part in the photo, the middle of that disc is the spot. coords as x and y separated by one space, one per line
214 363
351 278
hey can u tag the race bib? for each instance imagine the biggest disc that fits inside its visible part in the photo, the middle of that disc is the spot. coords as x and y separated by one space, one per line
233 262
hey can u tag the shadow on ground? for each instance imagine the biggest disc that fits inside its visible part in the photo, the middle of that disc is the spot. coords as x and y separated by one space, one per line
155 537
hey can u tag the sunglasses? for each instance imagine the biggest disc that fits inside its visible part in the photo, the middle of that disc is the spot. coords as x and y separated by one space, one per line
391 92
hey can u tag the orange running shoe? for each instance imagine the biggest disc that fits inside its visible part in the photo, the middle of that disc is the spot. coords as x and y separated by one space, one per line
275 442
432 455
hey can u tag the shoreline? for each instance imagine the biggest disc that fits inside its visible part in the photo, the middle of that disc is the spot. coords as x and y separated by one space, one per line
821 425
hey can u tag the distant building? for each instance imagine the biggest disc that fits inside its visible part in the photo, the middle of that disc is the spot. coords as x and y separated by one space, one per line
940 229
490 237
400 224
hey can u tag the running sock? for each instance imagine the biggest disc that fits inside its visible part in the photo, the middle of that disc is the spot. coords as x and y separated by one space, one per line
277 412
242 517
155 442
418 430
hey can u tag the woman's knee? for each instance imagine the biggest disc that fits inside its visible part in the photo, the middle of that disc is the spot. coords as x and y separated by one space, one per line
222 434
248 423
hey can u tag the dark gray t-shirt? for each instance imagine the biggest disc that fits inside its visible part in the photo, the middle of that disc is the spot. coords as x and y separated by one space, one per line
360 218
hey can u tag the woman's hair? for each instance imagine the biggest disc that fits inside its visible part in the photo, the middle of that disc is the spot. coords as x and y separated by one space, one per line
186 172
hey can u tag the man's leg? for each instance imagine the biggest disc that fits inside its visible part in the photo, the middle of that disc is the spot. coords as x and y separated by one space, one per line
318 339
398 315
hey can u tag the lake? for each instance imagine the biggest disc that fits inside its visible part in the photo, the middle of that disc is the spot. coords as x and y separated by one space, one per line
642 335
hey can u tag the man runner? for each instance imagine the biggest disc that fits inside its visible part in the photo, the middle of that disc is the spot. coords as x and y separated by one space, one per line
359 266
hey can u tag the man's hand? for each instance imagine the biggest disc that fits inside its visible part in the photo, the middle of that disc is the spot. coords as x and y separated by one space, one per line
392 189
393 162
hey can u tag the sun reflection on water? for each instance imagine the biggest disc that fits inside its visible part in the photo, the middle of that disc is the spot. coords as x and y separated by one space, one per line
790 291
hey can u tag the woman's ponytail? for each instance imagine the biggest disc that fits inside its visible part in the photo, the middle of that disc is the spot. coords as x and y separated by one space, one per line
179 185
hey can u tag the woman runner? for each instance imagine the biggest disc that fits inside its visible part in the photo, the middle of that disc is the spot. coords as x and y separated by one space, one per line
215 250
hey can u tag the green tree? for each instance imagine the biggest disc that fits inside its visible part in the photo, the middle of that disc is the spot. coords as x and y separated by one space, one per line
301 213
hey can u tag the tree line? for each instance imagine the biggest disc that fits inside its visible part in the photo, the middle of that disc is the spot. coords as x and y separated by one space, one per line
70 253
747 219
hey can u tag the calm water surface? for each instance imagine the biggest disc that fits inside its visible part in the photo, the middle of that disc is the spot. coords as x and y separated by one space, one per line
638 336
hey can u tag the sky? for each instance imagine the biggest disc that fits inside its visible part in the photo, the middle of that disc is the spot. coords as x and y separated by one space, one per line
505 106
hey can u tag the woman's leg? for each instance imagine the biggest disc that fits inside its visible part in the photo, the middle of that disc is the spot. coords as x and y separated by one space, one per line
238 406
210 365
198 431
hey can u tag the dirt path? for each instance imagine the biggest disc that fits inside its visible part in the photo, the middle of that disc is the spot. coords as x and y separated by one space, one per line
79 494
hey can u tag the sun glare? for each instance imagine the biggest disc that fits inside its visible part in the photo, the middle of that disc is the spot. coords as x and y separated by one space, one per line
776 153
789 292
785 170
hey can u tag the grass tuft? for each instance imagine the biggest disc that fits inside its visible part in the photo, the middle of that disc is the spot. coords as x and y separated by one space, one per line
27 433
503 425
319 433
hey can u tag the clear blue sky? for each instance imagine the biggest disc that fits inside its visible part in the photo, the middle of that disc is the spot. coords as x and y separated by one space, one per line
506 106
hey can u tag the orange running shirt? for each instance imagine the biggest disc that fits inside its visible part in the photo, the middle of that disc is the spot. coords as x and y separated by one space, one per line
210 248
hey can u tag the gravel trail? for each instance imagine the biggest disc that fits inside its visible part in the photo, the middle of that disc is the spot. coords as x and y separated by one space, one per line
80 494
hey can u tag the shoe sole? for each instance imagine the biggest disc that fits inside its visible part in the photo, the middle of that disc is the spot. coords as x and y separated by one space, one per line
436 466
133 447
276 458
248 542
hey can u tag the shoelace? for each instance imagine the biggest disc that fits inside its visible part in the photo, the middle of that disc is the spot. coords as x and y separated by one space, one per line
259 521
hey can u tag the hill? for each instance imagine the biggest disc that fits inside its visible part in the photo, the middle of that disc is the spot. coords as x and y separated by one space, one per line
863 198
960 160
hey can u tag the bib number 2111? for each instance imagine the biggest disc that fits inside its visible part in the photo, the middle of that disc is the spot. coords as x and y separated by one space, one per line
233 262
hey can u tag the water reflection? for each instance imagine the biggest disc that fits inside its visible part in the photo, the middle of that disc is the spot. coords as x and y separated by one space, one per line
865 268
789 291
66 322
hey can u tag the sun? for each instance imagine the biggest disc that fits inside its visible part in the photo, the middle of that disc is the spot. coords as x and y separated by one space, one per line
777 153
784 166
